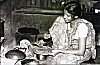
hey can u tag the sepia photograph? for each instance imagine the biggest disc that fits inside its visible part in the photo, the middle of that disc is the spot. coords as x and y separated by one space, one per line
49 32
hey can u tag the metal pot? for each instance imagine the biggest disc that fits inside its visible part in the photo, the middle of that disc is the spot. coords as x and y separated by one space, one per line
41 57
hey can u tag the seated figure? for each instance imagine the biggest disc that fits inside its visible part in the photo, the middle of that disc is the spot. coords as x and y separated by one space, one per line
73 37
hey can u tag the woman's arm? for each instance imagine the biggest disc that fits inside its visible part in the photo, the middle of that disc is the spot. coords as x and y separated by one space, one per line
79 51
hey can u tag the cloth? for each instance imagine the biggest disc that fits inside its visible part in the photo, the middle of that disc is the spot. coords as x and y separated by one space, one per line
5 61
3 51
64 38
26 48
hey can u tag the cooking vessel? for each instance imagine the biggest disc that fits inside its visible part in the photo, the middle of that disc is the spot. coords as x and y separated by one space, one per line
29 62
15 54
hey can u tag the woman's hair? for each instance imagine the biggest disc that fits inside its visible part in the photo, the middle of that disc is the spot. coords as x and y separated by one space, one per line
73 8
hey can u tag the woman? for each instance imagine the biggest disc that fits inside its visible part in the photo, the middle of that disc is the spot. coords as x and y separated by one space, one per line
73 37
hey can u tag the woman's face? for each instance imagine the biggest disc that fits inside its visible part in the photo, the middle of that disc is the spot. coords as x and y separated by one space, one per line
67 16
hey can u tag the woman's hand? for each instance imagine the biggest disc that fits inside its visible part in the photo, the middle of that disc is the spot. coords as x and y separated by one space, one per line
55 52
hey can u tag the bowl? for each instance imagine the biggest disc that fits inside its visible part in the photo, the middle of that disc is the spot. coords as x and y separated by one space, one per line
15 54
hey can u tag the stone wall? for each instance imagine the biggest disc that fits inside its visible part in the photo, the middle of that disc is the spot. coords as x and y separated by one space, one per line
39 21
5 14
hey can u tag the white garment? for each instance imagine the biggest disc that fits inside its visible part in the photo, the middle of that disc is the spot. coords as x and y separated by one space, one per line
82 30
61 35
58 33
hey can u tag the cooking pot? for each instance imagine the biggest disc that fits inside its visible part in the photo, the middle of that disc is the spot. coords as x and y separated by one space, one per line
29 62
15 54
